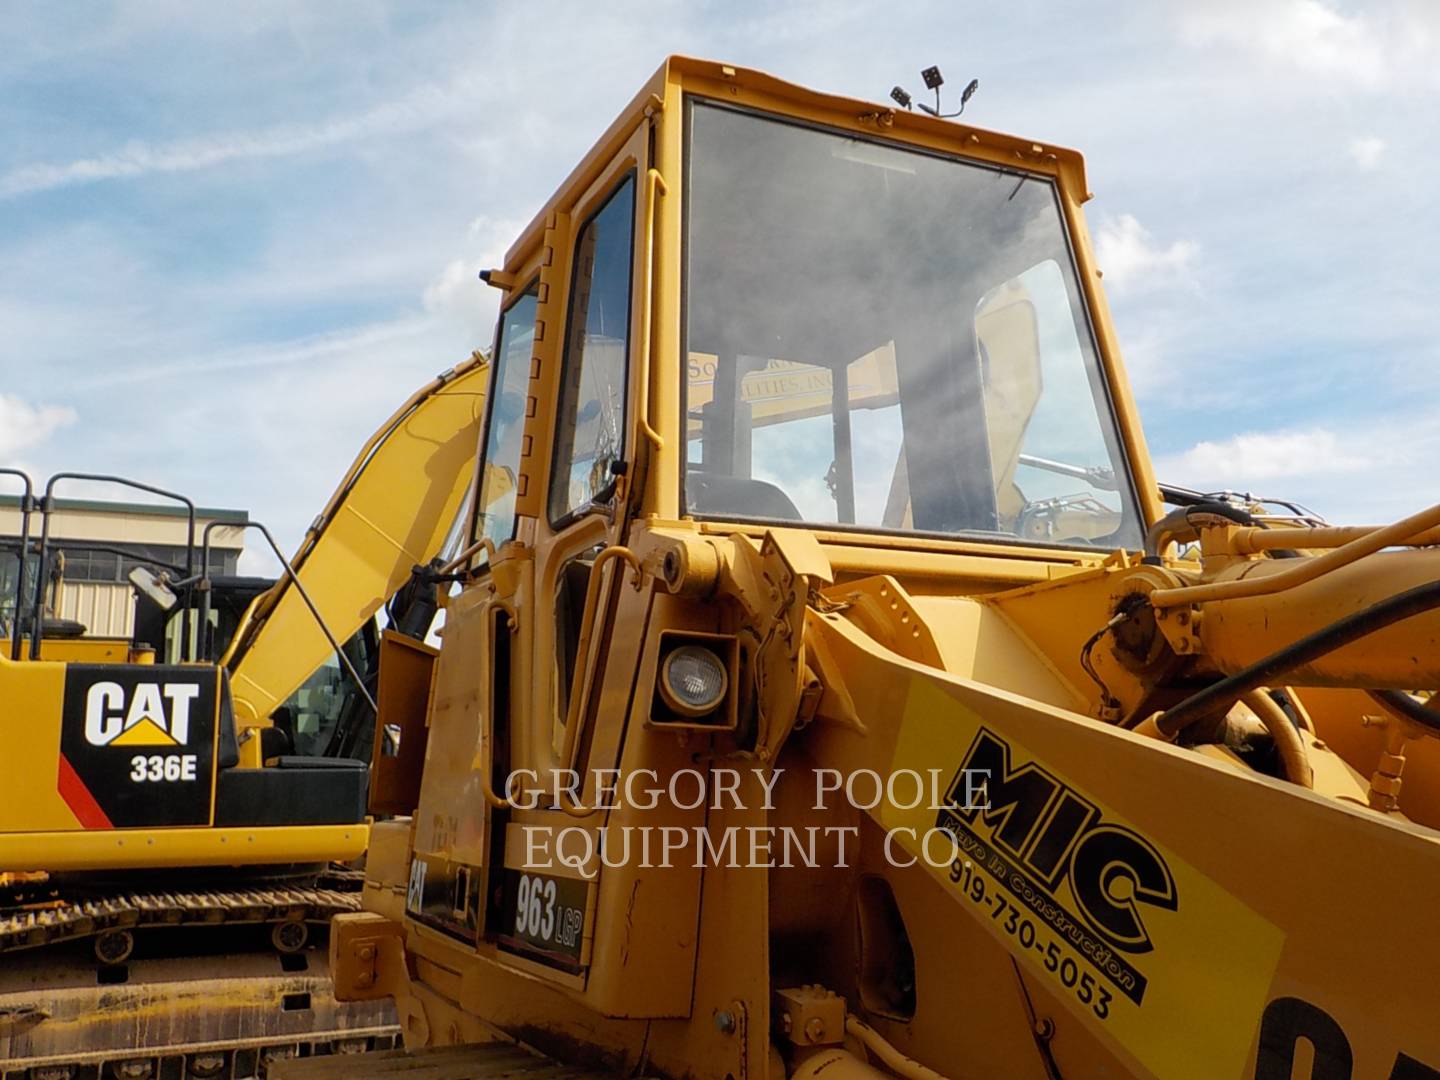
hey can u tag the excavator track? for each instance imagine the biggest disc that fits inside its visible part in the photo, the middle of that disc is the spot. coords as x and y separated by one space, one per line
228 1015
39 925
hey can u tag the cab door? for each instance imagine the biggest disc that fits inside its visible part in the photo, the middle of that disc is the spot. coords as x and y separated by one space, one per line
472 698
551 473
580 436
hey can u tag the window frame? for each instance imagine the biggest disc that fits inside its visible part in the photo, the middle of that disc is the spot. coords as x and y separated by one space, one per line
1098 375
482 457
630 176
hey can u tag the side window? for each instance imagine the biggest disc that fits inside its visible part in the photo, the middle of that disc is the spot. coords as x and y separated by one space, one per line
590 432
495 509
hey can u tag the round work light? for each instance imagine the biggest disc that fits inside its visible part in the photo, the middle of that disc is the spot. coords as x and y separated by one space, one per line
693 680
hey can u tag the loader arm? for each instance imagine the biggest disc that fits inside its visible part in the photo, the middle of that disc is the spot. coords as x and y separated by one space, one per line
391 512
1132 885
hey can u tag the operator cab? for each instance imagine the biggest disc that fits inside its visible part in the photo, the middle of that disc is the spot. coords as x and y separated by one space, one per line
856 324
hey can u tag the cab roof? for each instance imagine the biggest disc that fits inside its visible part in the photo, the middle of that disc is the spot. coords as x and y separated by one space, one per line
873 119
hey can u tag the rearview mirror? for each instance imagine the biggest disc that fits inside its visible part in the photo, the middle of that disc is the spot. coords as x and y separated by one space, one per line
153 586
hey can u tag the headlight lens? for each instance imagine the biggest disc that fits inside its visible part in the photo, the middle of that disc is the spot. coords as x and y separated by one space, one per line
693 681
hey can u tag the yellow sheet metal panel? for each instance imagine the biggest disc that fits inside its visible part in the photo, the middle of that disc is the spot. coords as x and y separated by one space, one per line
115 849
83 650
32 693
391 513
1213 941
403 694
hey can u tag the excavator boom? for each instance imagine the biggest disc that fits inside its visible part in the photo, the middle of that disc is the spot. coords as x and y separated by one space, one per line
390 514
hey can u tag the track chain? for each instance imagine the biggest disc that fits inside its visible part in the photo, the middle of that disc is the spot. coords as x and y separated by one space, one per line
30 928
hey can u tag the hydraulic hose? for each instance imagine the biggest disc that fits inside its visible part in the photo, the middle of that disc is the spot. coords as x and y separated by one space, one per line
1402 532
1288 742
1220 695
1177 526
906 1067
1408 707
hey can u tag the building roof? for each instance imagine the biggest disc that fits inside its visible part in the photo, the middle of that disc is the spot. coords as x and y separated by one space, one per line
171 510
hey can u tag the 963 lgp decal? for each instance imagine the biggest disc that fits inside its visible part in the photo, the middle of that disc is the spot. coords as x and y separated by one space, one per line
137 746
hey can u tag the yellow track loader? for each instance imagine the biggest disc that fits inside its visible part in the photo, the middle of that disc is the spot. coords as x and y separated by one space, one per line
828 694
167 808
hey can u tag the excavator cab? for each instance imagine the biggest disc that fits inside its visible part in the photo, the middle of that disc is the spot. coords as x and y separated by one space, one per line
824 691
235 728
147 740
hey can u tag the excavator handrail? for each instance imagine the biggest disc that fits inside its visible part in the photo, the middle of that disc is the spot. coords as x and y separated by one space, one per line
294 580
47 508
27 507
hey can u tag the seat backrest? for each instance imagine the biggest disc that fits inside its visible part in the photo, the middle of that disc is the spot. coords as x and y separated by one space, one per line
741 496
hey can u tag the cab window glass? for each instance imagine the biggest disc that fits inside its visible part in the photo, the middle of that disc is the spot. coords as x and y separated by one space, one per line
882 337
590 433
495 509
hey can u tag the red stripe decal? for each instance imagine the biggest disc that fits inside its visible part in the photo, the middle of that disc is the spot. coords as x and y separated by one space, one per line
77 796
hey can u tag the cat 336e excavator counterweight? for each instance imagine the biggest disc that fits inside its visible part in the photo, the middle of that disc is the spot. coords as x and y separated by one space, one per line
830 500
165 800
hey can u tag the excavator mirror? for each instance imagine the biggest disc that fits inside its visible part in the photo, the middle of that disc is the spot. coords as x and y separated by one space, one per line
153 587
390 737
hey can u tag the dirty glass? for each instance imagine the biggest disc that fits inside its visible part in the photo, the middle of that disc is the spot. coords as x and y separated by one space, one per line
881 338
495 511
589 437
9 572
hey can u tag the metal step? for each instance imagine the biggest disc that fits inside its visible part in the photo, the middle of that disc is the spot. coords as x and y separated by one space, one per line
474 1061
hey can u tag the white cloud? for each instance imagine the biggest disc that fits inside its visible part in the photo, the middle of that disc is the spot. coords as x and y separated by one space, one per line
1367 151
24 425
257 560
1308 35
1371 47
418 109
457 293
293 353
1254 456
456 289
1131 258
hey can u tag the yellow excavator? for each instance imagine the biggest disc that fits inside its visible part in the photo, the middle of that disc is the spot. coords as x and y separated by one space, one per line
174 799
834 695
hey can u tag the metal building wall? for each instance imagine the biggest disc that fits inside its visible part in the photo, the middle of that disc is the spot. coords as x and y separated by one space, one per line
105 610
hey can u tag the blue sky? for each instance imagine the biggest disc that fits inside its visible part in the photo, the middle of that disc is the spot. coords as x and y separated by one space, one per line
234 237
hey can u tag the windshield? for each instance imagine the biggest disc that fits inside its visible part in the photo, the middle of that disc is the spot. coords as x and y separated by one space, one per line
882 338
315 716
